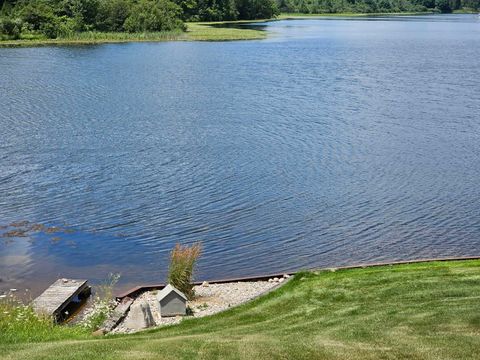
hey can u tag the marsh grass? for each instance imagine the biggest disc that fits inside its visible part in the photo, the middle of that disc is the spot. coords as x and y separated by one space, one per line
195 32
124 36
94 37
284 16
182 266
207 32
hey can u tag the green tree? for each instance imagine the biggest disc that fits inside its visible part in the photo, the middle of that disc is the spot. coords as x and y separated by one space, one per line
12 28
112 14
154 15
443 6
189 9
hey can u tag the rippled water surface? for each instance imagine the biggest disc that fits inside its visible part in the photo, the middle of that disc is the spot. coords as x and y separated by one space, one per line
333 142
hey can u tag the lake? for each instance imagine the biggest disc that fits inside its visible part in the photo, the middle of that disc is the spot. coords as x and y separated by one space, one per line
333 142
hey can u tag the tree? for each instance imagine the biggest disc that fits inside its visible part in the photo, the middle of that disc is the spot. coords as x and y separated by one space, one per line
189 9
11 27
443 6
111 15
154 15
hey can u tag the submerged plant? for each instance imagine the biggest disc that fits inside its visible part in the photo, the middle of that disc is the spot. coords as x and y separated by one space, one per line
182 265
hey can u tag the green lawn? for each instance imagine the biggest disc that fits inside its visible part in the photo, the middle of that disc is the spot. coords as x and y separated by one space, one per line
416 311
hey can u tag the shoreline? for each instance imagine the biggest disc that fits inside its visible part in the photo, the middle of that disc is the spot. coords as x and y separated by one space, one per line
135 291
418 311
289 16
210 299
196 31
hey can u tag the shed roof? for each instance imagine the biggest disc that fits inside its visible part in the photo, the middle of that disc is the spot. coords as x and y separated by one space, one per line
167 290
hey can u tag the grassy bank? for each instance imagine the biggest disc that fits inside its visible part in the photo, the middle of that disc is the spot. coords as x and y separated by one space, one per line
285 16
465 11
416 311
213 31
195 32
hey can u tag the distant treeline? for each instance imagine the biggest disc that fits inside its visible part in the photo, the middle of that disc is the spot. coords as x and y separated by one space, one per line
375 6
62 18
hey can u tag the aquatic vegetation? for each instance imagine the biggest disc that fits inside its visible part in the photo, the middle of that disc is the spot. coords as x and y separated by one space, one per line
26 229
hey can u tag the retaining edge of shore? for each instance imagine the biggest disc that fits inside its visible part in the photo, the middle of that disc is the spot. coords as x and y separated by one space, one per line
133 292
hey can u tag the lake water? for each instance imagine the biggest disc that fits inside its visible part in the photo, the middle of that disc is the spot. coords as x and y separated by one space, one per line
333 142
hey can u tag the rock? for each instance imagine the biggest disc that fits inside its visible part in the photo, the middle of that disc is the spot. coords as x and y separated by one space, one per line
117 315
281 280
99 332
139 317
13 290
286 276
205 284
332 269
275 279
270 280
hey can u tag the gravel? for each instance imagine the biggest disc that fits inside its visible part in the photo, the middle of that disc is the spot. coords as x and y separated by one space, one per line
209 299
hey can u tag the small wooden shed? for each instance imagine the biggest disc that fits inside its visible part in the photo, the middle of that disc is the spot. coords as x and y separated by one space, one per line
172 302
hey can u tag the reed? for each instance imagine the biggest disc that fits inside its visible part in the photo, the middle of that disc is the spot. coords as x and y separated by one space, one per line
182 267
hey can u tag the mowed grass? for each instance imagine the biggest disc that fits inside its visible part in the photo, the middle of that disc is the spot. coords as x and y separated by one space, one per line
416 311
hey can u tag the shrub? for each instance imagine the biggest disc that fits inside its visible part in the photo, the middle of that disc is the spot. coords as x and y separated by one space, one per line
11 27
112 15
103 304
154 15
182 266
36 14
443 6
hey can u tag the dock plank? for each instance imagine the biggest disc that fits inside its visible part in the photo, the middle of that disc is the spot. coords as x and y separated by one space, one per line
58 295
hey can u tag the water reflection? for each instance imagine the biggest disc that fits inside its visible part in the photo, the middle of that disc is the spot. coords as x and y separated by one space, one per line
332 142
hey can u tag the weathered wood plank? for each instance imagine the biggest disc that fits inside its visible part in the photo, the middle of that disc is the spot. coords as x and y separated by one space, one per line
58 295
117 315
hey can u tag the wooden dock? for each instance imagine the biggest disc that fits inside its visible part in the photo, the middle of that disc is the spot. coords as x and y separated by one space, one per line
58 296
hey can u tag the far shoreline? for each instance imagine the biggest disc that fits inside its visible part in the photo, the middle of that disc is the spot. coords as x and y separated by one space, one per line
196 31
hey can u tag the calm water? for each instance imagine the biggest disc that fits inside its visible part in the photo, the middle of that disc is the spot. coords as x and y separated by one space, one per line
333 142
